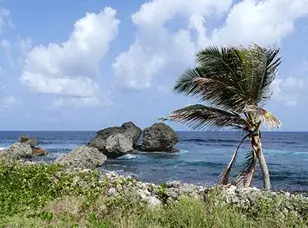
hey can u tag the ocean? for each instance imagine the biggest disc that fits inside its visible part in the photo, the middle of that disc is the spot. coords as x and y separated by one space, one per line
202 157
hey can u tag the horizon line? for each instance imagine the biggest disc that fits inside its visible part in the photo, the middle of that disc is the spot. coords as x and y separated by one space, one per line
289 131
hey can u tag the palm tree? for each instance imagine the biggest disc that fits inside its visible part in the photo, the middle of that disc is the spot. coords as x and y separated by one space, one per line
234 84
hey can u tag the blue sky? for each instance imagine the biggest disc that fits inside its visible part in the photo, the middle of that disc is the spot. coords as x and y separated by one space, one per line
89 64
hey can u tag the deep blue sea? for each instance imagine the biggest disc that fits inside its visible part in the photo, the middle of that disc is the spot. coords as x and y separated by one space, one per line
203 156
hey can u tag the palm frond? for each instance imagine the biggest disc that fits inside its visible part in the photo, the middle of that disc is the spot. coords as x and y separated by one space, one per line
261 65
214 81
264 116
200 117
231 77
225 65
244 179
225 175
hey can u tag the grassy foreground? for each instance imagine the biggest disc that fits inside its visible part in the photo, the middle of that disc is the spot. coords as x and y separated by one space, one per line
48 196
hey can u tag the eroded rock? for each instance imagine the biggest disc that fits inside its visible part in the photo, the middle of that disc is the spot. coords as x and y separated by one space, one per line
82 157
127 142
159 137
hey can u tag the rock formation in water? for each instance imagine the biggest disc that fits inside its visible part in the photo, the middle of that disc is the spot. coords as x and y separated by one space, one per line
159 137
117 141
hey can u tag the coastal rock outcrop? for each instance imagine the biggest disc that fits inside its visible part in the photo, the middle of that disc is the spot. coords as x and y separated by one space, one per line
29 140
248 199
123 139
118 145
23 150
82 157
132 131
17 151
159 137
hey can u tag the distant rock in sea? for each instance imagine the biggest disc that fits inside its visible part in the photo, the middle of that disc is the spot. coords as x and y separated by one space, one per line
17 151
26 148
117 141
28 140
118 145
159 137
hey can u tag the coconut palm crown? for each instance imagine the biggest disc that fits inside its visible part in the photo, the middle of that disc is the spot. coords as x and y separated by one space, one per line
233 83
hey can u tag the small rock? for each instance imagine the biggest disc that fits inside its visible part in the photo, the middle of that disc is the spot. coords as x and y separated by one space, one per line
112 192
39 151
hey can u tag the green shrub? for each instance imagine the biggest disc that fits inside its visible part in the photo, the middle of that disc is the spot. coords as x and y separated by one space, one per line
49 196
24 187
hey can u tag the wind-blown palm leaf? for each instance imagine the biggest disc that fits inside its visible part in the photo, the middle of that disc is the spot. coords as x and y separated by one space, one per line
200 117
224 86
225 64
201 83
225 175
246 74
246 176
264 116
260 67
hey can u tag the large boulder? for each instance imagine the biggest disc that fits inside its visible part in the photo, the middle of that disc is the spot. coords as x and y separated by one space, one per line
159 137
128 130
82 157
132 131
118 145
17 151
28 140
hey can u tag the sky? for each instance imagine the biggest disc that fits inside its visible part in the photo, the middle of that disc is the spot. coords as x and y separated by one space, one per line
90 64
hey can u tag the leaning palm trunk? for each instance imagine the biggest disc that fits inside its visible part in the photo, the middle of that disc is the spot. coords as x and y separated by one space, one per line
256 143
246 177
225 175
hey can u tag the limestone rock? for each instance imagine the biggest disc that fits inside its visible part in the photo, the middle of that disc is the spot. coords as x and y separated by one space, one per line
159 137
82 157
17 151
118 145
128 129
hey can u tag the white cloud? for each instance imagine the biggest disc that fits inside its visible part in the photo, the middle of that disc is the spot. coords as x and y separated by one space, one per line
157 46
84 101
71 69
5 18
5 44
8 102
262 22
289 90
87 102
15 50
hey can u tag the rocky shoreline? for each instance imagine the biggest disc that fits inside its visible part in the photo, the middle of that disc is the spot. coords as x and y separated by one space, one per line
118 141
153 195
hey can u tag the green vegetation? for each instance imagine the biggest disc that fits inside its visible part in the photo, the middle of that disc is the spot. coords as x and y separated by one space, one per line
49 196
234 84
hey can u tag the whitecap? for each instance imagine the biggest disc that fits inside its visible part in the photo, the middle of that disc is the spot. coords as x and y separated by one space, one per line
129 156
